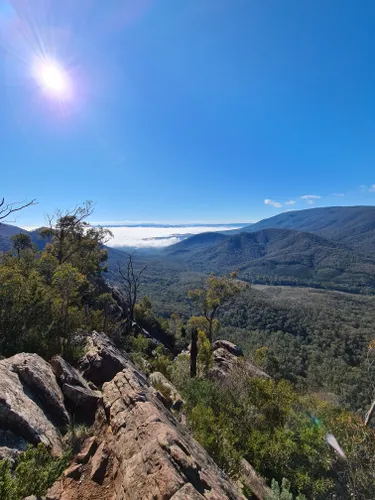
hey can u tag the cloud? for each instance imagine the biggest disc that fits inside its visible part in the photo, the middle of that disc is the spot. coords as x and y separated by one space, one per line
310 197
372 188
273 203
290 202
338 194
157 237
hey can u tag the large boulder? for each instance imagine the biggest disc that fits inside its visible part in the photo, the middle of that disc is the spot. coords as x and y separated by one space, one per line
167 389
38 377
226 358
228 346
144 453
31 402
102 359
78 393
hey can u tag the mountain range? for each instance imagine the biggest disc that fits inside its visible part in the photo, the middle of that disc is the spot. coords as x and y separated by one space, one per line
352 226
287 255
329 247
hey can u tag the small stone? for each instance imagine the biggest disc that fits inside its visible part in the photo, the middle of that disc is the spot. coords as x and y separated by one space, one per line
74 471
88 449
99 463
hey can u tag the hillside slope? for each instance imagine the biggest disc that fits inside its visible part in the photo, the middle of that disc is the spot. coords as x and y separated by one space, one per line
6 232
353 226
297 256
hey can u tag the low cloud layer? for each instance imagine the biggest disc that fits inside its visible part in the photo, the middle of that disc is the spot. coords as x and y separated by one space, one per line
157 237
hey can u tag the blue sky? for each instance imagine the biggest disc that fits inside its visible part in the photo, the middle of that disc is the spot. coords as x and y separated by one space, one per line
199 110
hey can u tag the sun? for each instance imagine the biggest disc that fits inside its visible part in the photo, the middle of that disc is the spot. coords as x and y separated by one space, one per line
53 79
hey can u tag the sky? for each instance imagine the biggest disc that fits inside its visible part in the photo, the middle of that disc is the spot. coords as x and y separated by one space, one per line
200 111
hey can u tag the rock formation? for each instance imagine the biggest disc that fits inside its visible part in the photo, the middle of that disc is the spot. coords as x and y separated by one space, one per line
31 404
228 356
79 396
144 453
137 449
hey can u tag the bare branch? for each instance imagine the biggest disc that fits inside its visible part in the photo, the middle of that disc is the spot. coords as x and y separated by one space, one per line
7 209
131 283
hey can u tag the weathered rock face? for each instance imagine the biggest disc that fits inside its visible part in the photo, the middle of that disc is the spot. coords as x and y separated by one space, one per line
37 375
229 346
143 453
102 359
76 390
227 357
31 402
11 445
168 390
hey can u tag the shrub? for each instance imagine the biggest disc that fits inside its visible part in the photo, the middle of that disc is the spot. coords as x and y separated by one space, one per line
35 472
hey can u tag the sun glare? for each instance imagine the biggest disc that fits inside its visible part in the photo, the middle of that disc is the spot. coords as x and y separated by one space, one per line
53 79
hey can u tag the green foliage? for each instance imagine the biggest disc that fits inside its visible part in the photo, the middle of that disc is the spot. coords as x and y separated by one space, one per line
160 361
75 436
158 327
35 472
317 340
269 424
72 240
204 358
180 370
217 291
21 242
25 310
282 493
46 297
163 389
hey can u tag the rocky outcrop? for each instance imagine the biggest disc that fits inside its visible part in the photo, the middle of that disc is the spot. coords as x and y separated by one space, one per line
37 375
227 357
144 453
168 390
31 402
229 346
254 482
102 360
78 393
11 445
137 450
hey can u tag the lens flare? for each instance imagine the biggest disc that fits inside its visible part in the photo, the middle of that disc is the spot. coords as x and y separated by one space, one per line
53 79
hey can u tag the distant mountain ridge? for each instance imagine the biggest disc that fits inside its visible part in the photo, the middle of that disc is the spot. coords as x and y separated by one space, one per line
286 254
352 226
334 250
6 232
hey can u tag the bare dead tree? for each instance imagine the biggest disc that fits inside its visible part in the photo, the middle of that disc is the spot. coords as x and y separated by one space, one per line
132 279
6 209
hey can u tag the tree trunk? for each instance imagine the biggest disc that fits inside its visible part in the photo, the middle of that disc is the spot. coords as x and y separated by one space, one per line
193 353
370 413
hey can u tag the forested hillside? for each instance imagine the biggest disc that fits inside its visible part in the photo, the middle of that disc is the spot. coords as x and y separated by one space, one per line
352 226
287 256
